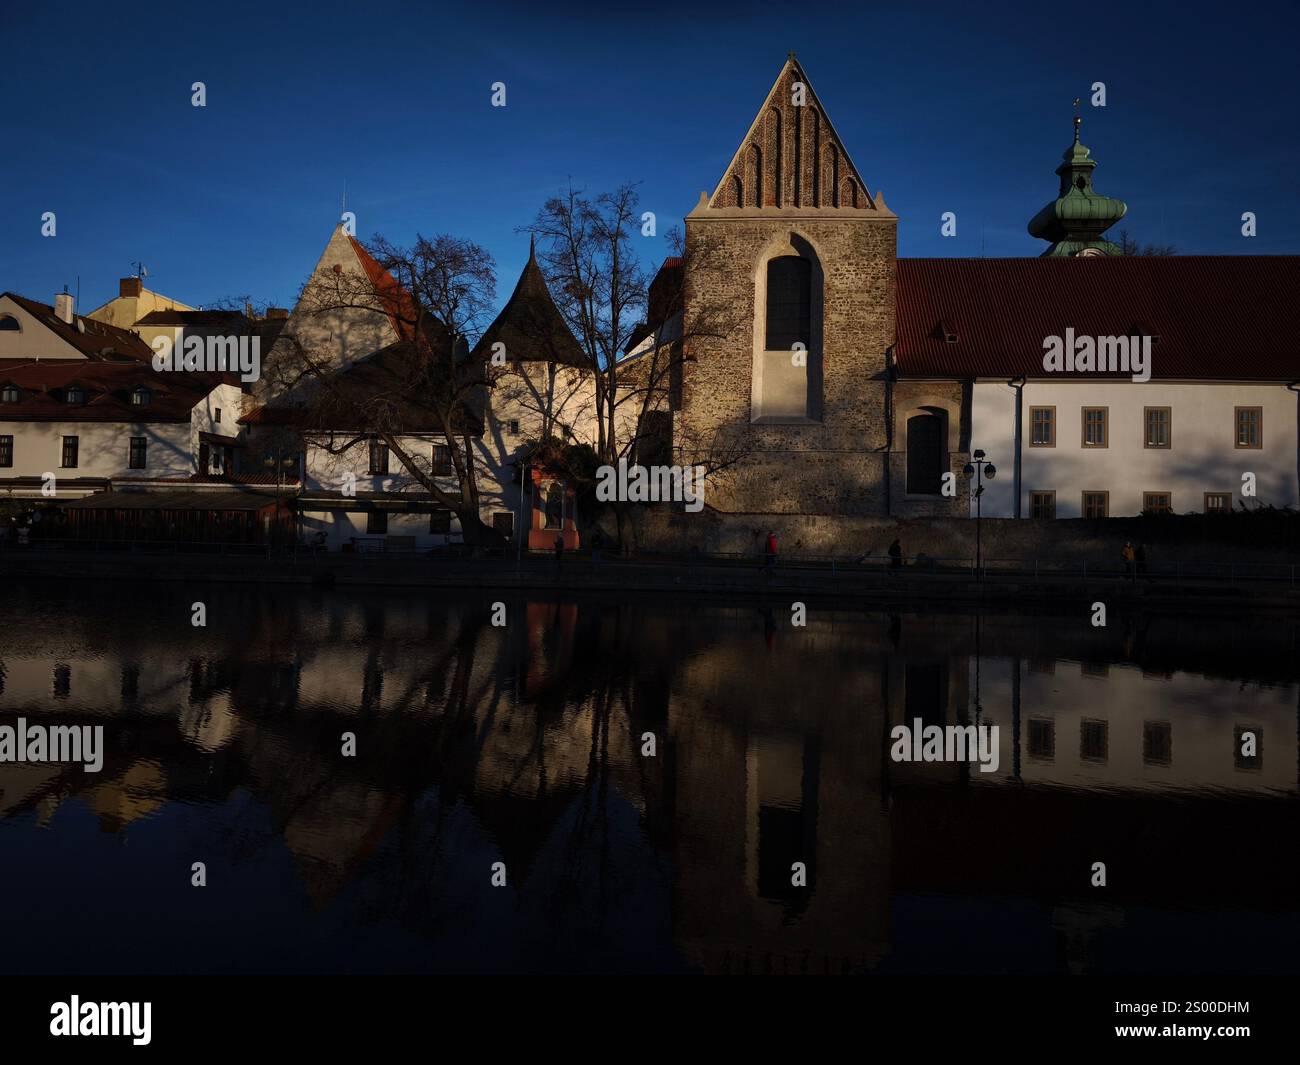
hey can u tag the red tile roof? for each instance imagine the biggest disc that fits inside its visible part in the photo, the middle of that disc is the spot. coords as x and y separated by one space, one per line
1225 317
389 291
93 339
108 388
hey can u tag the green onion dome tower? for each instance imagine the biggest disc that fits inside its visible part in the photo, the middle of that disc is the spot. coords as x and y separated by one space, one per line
1074 222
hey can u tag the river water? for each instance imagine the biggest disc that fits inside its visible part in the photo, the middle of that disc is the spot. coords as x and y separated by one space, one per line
386 781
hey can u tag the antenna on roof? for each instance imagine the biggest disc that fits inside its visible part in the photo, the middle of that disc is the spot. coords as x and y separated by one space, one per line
141 271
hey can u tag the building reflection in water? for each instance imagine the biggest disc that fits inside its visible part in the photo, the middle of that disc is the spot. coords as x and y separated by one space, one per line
523 743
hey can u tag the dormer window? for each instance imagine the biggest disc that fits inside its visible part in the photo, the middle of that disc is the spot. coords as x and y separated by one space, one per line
945 330
9 394
76 395
141 397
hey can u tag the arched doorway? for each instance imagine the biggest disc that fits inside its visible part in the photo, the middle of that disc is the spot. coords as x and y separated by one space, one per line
927 453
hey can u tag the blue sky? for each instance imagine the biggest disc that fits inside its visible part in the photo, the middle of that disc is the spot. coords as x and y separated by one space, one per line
960 107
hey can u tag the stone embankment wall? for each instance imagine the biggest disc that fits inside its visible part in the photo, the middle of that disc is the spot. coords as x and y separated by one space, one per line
658 530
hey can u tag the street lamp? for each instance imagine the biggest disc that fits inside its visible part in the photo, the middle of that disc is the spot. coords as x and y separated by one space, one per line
979 467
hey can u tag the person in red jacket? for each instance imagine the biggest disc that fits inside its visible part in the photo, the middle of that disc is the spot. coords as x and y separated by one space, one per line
771 551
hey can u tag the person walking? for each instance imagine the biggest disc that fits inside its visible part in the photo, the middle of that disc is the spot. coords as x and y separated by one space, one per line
1130 558
559 551
770 551
1140 558
895 556
597 542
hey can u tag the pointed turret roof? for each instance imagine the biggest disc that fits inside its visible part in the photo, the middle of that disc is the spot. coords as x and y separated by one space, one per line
1076 219
791 156
530 325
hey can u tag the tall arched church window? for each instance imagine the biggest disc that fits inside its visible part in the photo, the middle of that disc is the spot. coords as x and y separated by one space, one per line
789 303
787 375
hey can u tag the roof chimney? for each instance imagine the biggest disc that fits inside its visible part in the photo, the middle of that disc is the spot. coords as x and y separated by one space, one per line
130 286
63 306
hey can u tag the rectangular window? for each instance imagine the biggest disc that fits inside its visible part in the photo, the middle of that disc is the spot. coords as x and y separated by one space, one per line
1156 422
441 460
70 452
139 448
216 415
1156 503
1042 504
1250 427
1042 427
1096 504
377 522
1042 738
6 451
514 427
1095 430
440 522
378 456
1218 502
1157 742
1094 737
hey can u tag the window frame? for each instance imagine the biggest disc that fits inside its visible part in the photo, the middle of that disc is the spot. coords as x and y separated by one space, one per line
1169 428
1207 496
1237 412
1169 503
143 441
1035 751
1083 507
1104 725
1150 754
376 517
6 451
1051 425
437 468
76 453
372 468
1083 428
1049 492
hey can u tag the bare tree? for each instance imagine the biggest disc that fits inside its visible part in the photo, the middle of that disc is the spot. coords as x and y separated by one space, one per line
636 335
1130 245
437 295
598 283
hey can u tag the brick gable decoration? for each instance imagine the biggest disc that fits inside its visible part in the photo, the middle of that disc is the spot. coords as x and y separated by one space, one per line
792 156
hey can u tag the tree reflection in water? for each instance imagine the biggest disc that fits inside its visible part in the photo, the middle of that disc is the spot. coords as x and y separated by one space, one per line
522 744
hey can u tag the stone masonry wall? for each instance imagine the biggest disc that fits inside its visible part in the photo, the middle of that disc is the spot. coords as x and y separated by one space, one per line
836 464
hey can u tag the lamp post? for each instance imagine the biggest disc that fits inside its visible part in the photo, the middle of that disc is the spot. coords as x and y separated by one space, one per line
979 467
